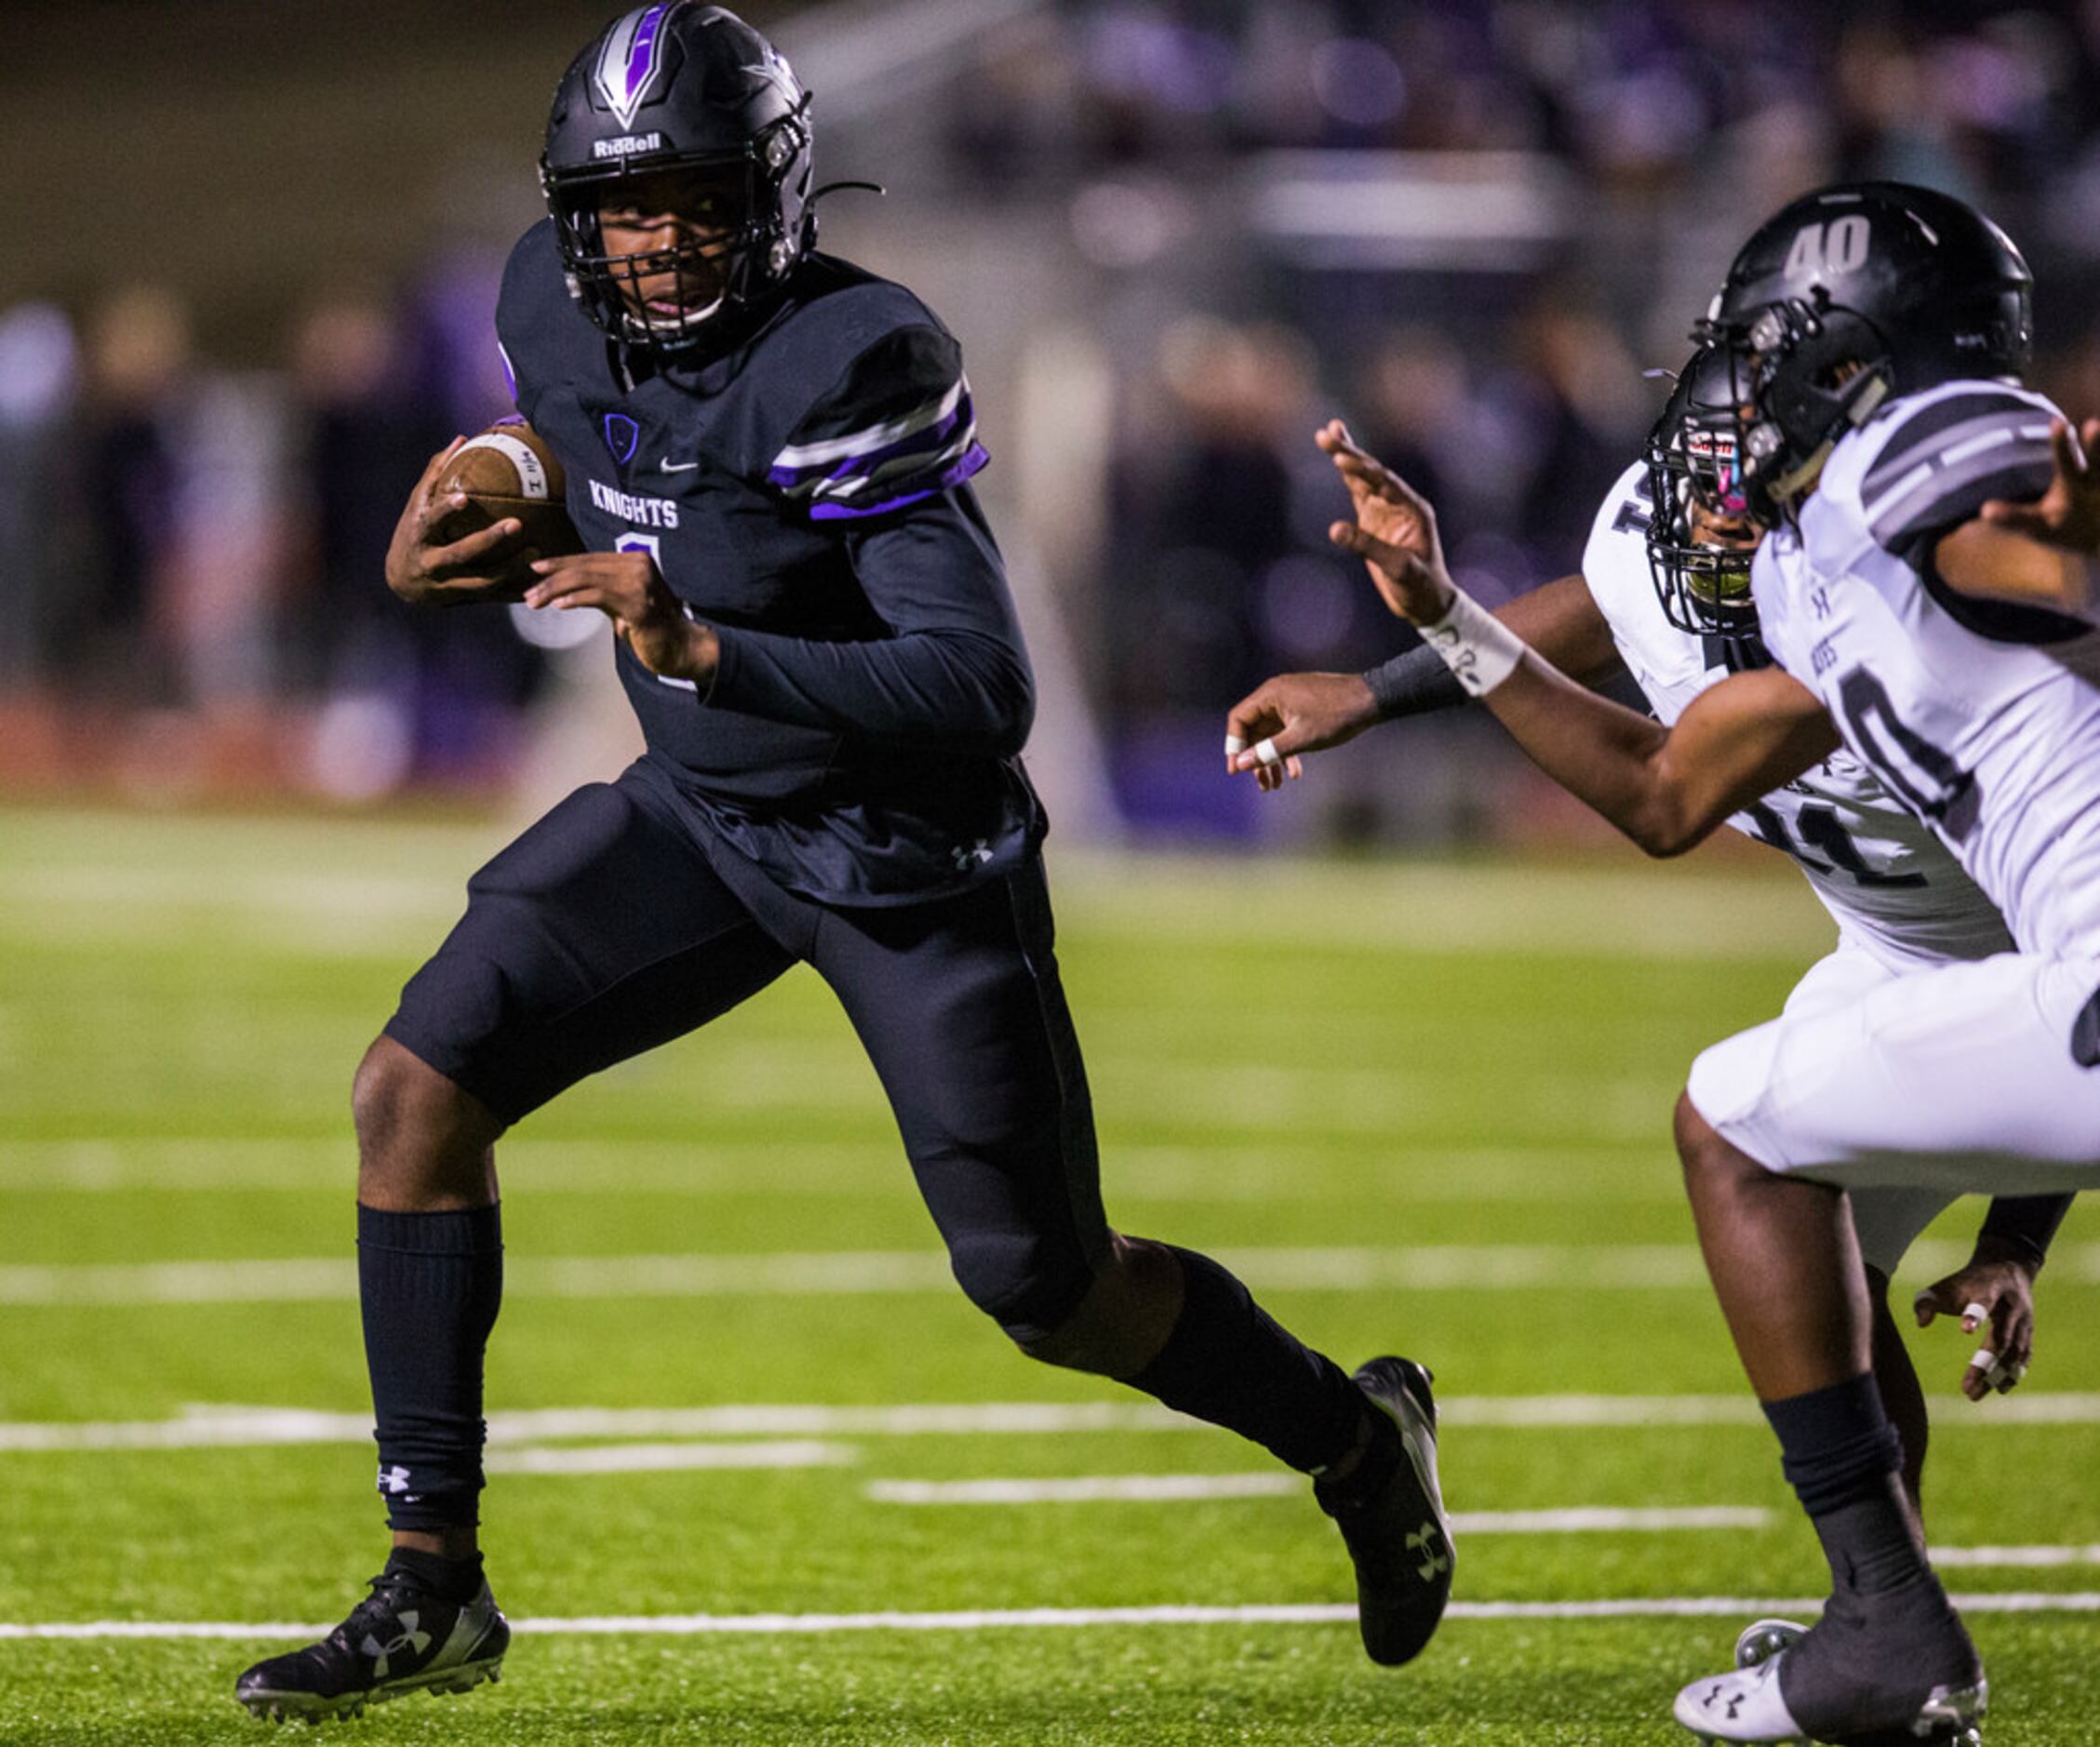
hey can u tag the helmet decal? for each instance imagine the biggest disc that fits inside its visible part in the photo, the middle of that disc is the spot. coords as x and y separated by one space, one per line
1838 248
719 107
630 60
1714 464
774 68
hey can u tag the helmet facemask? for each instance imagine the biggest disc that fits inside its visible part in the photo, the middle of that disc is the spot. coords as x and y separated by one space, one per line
1808 372
1700 532
675 298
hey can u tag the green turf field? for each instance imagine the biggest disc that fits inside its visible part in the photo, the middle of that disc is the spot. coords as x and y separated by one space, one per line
1423 1107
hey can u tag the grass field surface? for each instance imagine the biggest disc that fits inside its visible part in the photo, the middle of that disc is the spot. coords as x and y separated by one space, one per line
761 1474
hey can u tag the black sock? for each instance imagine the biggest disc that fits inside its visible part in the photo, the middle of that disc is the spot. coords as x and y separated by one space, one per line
1229 1361
1844 1460
431 1283
455 1581
1887 1634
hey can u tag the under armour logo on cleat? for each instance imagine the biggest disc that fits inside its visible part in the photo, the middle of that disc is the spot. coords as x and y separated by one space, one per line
979 851
394 1479
1427 1543
410 1639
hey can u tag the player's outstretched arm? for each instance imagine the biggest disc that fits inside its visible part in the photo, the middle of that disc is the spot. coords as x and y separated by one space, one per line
2043 554
424 571
1297 713
1665 788
1994 1289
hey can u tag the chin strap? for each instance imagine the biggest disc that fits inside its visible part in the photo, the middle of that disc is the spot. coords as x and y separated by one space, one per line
1788 487
832 187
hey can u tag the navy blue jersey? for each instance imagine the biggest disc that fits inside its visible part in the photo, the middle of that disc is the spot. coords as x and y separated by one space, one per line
804 494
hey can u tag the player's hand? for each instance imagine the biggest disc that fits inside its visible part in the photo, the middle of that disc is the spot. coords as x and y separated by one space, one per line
2067 515
1294 714
626 587
1395 533
1995 1294
486 566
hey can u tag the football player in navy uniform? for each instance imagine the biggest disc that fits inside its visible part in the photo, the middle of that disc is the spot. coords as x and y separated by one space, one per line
768 453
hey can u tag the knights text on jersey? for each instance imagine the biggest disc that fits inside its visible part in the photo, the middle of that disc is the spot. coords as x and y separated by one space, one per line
805 493
1983 721
1884 878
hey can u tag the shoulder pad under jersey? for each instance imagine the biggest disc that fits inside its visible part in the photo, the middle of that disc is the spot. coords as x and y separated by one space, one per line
1930 461
883 410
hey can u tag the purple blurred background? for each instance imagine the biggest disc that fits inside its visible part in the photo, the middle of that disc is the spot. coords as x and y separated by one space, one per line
253 257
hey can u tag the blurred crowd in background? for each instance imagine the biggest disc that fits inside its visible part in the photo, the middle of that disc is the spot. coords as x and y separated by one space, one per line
1468 227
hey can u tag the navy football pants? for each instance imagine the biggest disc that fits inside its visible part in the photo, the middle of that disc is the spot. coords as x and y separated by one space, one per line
620 921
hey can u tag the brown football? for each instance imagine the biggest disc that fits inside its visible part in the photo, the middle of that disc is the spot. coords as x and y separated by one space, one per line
508 470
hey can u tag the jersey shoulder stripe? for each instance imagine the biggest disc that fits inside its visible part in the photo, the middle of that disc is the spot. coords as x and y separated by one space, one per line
1942 461
898 427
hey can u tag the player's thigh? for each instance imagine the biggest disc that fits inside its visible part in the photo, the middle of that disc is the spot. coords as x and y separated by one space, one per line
598 934
962 1011
1888 1219
1961 1078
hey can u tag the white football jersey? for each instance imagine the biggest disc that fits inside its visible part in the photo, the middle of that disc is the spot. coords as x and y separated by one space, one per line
1888 882
1983 718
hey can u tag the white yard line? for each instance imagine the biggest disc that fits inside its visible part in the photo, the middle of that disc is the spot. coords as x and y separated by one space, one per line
657 1458
1572 911
214 1427
1087 1490
823 1273
1589 1175
984 1620
1611 1519
234 1427
1175 1489
2037 1559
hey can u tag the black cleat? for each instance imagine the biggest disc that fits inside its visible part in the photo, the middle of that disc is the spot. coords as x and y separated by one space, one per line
1391 1515
399 1639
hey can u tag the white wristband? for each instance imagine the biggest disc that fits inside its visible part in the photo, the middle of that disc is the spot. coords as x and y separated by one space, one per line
1475 644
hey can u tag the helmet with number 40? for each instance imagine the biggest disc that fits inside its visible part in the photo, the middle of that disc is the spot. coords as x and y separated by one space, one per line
1848 298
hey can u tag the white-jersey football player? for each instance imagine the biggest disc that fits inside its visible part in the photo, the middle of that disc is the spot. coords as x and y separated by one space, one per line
1668 606
1929 591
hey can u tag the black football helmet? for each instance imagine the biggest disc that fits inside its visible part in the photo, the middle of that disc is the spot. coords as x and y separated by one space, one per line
1700 535
1848 298
684 88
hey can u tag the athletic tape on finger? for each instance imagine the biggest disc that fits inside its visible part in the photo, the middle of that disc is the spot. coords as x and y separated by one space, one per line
1984 1360
1980 1313
1265 751
1233 746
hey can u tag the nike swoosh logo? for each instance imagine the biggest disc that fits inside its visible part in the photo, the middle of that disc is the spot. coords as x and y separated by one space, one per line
676 467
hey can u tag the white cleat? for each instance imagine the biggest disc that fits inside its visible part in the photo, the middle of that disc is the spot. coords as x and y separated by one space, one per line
1744 1708
1743 1705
